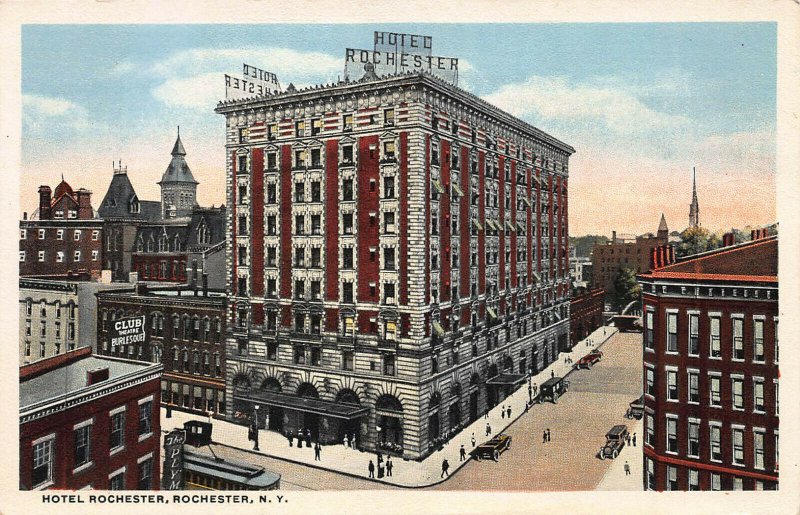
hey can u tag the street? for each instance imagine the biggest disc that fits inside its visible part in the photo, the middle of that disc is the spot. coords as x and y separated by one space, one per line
596 401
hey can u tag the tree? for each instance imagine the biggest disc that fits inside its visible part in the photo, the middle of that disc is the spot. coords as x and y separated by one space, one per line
624 289
695 240
583 245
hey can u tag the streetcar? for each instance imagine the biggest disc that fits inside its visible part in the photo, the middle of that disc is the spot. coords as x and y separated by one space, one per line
203 472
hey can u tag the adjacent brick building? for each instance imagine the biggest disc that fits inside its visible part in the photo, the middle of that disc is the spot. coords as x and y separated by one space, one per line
89 422
397 258
585 313
711 369
183 331
63 236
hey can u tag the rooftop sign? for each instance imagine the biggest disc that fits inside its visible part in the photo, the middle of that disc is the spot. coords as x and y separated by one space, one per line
253 82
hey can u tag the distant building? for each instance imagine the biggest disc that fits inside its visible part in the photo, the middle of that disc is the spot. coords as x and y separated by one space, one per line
89 422
711 369
625 252
580 271
694 207
63 236
585 313
184 331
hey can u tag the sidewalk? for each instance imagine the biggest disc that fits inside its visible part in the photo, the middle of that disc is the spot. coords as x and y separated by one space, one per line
615 478
411 474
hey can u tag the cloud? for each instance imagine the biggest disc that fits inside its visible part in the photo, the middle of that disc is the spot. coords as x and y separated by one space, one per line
193 79
41 113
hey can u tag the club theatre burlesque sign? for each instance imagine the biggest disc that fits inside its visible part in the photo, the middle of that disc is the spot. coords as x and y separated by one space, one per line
126 331
395 53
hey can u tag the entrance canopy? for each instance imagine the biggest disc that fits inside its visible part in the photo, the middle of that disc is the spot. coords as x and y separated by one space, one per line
507 379
304 404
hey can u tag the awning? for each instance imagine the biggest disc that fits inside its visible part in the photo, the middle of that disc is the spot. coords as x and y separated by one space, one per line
495 225
492 313
507 379
438 329
438 186
537 276
520 227
525 199
458 189
555 313
477 224
510 226
304 404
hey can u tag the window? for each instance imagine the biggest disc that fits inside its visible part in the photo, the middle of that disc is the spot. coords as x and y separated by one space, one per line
299 257
737 384
60 234
672 434
651 474
388 258
347 122
271 225
758 449
716 482
737 437
388 222
299 191
347 292
347 190
300 224
347 223
672 478
694 386
117 439
21 256
316 225
60 256
714 442
714 332
347 154
95 235
299 129
299 289
316 257
714 387
758 340
76 234
672 385
388 364
41 256
316 289
347 258
694 438
650 386
272 256
42 462
145 481
272 134
694 480
672 332
316 356
42 234
349 326
650 429
388 117
347 360
299 356
694 321
316 126
738 340
758 394
83 446
388 187
117 481
95 255
146 417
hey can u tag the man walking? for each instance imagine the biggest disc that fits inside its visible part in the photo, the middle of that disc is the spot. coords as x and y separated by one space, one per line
627 469
535 389
552 373
488 429
317 450
445 468
353 442
345 442
371 468
530 393
473 440
544 436
503 411
508 412
389 466
634 439
628 439
462 453
548 434
308 438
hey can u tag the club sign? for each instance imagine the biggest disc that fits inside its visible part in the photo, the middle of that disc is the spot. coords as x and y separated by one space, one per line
126 331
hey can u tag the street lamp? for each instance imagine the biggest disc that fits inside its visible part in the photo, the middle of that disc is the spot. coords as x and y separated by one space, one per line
255 428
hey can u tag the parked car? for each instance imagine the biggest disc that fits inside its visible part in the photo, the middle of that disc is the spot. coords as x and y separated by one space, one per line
615 441
589 360
636 409
552 389
493 448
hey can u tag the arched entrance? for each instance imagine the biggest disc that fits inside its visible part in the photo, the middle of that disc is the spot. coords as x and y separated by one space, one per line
474 380
491 391
309 420
242 410
389 415
434 425
454 415
348 427
274 413
522 362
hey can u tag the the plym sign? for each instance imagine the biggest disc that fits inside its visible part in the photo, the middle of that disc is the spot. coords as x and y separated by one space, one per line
127 331
253 82
172 472
359 61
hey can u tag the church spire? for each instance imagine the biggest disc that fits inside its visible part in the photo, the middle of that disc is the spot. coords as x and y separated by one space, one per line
694 207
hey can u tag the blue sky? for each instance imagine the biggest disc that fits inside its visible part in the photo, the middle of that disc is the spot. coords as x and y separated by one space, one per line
641 103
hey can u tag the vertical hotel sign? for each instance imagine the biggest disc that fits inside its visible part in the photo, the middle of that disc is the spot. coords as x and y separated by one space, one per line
172 472
253 82
393 53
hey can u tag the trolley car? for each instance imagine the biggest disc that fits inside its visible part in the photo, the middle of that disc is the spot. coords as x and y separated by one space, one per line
203 472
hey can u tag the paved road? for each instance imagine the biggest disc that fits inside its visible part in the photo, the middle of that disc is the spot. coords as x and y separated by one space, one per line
596 401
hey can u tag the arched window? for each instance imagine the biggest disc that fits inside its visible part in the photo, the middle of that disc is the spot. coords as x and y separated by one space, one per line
150 243
163 243
176 244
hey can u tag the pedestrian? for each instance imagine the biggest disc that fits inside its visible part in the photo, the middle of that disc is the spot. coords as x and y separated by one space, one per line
353 442
530 393
299 438
627 469
473 440
290 438
380 465
371 468
445 468
503 411
634 439
308 438
527 405
486 413
317 450
548 434
604 331
544 436
345 442
628 439
488 429
462 453
508 412
389 466
552 373
535 388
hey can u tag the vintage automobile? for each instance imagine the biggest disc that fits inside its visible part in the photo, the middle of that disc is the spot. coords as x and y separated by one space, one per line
588 360
493 448
615 441
552 389
636 409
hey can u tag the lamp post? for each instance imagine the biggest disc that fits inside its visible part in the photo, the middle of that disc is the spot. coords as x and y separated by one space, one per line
255 428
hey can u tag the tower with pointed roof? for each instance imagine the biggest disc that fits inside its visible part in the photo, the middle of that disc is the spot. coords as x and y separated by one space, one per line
178 185
694 208
663 230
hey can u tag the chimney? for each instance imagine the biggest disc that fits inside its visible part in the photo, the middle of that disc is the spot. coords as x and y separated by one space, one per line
133 277
84 204
653 258
24 215
728 239
205 284
613 236
96 376
671 253
194 276
44 203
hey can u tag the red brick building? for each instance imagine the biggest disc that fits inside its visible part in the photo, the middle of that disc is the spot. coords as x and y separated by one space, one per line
397 253
89 422
711 369
585 313
63 236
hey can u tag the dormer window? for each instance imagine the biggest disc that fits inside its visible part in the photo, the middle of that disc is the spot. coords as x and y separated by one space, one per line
134 207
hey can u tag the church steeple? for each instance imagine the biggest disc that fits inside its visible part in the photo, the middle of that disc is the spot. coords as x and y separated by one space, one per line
663 230
178 185
694 208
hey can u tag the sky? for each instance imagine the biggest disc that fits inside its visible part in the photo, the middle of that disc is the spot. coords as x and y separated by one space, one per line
641 103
